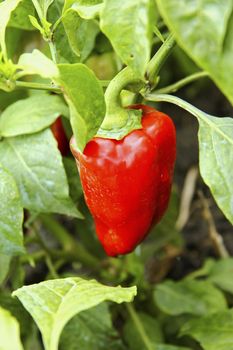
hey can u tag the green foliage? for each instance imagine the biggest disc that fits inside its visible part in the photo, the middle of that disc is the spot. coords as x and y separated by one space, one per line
19 18
214 332
81 34
42 188
152 329
37 63
87 106
70 50
53 303
189 296
11 216
208 44
91 329
10 336
215 144
14 120
6 9
129 28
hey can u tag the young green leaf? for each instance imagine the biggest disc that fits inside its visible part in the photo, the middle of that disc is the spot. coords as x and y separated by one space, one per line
86 9
15 119
41 7
11 216
53 303
6 8
36 164
189 297
10 333
205 31
129 27
37 63
86 101
213 332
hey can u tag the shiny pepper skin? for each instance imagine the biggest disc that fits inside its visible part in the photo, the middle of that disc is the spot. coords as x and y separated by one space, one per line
60 135
127 183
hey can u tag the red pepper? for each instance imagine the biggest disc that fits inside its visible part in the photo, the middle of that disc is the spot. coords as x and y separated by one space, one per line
127 183
60 135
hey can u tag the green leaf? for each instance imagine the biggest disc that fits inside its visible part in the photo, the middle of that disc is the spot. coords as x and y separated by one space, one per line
37 63
10 334
36 164
213 332
215 151
30 115
169 347
19 17
11 216
90 330
189 296
6 7
36 24
216 158
129 27
86 101
4 266
74 182
53 303
42 7
152 330
221 274
81 34
17 310
64 52
86 9
204 30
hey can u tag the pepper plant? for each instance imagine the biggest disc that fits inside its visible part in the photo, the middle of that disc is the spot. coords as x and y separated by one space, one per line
85 71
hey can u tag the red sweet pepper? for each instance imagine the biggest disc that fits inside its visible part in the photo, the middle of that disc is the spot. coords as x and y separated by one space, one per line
127 183
60 135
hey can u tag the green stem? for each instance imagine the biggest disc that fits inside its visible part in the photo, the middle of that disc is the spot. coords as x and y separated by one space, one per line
35 256
37 86
52 225
139 326
69 244
51 268
159 58
189 108
53 51
104 83
116 115
179 84
177 101
41 86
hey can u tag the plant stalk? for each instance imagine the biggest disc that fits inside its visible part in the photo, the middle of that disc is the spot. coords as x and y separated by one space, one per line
117 116
37 86
181 83
69 244
139 326
158 59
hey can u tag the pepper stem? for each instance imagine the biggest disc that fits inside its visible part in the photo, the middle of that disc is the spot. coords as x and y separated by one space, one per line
158 59
119 121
